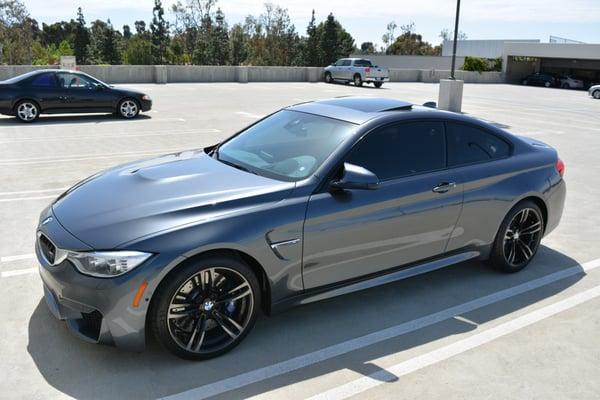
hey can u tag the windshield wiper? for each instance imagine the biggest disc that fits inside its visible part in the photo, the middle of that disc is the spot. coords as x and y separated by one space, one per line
234 165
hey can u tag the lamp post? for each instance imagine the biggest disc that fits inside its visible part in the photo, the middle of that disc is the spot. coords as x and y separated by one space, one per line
450 96
455 40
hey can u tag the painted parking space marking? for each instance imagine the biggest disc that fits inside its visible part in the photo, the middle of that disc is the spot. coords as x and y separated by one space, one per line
52 196
305 360
249 115
18 272
18 257
414 364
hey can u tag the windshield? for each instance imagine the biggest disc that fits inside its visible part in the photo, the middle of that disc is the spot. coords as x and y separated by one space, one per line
288 145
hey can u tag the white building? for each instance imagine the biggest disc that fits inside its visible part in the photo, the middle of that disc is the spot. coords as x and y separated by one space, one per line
479 48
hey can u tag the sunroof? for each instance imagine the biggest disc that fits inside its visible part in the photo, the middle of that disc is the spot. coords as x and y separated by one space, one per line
368 104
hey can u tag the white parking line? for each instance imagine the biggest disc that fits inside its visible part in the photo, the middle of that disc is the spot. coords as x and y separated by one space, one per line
6 259
249 115
44 160
17 272
414 364
32 191
293 364
164 132
52 196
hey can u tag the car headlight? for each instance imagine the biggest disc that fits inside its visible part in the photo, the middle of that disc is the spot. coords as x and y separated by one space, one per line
107 264
146 97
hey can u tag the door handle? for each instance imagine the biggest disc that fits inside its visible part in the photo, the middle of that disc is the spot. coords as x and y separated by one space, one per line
444 187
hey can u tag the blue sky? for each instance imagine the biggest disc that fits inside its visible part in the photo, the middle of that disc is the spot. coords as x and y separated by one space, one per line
366 20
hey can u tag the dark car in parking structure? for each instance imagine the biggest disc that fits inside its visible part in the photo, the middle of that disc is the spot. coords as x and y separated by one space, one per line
56 91
316 200
540 79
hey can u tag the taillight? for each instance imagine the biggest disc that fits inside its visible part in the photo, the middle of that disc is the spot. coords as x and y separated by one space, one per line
367 70
560 167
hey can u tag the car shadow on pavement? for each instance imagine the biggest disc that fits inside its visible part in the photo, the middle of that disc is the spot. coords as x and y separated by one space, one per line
71 119
87 371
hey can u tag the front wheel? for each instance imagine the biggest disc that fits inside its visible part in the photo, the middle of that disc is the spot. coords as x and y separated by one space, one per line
128 108
566 86
328 77
378 84
27 111
357 80
518 238
206 308
596 94
547 84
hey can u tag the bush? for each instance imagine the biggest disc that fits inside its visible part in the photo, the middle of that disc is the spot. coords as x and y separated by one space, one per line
478 64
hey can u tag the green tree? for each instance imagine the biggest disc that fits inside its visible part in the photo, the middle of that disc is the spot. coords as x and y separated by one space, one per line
95 48
237 45
82 39
138 51
411 43
311 44
367 48
220 40
17 32
126 32
140 27
111 46
160 33
388 37
334 42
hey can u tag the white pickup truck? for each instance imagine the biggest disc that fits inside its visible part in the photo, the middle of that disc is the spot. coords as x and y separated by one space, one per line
357 70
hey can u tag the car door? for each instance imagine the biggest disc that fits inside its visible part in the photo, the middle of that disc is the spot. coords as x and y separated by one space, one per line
44 88
409 217
82 94
346 70
336 71
483 160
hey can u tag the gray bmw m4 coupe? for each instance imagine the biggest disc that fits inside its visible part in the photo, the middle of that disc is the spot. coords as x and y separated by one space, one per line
316 200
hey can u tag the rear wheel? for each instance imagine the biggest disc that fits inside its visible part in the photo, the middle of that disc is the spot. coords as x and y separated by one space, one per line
547 84
128 108
378 84
525 82
518 238
566 86
357 80
207 308
328 77
27 111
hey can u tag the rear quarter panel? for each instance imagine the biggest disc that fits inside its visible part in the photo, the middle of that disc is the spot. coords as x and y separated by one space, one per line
491 189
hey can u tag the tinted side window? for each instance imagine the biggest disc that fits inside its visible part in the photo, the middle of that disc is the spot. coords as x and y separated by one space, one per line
346 63
402 150
468 144
74 81
44 80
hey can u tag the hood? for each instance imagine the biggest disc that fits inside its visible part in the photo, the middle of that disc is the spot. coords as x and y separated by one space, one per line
127 91
149 196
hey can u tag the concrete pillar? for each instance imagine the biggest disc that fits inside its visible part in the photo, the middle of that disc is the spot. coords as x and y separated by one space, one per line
241 74
450 97
160 74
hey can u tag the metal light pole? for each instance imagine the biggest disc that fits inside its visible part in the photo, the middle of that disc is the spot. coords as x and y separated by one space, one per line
455 40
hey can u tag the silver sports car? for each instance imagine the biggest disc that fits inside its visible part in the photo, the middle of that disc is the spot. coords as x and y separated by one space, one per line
315 200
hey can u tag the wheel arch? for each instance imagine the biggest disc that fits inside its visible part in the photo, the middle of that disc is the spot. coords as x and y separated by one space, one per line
538 201
256 267
31 99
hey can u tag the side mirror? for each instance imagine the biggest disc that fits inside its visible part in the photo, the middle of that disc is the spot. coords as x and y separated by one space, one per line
99 88
356 177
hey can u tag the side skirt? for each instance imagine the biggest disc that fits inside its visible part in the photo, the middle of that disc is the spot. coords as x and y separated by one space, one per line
369 282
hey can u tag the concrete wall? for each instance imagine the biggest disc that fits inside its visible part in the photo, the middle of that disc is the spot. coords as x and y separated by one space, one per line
479 48
203 73
413 62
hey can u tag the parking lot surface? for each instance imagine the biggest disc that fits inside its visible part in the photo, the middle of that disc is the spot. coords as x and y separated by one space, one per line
463 332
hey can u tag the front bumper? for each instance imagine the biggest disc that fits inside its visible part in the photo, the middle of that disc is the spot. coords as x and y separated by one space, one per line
97 310
146 105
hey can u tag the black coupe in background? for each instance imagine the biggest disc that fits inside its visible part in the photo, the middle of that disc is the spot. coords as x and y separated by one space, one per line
62 92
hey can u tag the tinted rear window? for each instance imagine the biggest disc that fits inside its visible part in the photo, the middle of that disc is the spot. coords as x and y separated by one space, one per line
402 150
469 144
44 80
363 63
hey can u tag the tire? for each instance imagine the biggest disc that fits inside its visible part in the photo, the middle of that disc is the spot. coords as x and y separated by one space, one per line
547 84
596 94
357 80
566 86
206 325
328 77
518 238
378 84
525 83
128 108
27 111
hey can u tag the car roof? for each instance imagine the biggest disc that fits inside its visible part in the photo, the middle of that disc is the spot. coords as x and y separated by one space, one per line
359 110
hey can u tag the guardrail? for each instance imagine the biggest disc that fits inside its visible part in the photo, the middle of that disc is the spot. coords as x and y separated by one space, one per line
242 74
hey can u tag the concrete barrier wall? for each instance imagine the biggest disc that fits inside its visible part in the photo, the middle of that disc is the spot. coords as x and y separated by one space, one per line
207 73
